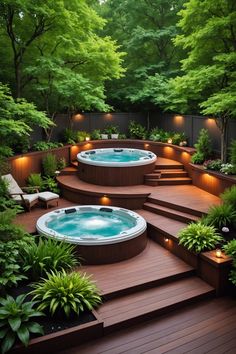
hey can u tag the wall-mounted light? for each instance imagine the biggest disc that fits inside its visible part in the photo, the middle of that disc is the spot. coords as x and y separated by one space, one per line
108 116
146 146
166 239
78 117
105 200
178 119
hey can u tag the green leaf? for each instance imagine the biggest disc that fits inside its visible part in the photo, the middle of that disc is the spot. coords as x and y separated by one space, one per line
23 335
14 323
35 328
8 342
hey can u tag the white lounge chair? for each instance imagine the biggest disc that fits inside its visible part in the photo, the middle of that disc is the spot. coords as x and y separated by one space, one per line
28 200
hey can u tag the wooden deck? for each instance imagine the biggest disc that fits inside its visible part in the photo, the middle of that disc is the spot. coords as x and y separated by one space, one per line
206 327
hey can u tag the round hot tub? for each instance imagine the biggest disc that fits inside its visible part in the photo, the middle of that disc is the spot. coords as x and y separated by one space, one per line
102 234
115 166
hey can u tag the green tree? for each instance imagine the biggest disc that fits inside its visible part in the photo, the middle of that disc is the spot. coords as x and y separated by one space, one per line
59 59
16 120
209 70
144 29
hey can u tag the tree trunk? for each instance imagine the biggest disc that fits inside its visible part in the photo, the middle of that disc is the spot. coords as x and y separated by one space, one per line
223 131
18 78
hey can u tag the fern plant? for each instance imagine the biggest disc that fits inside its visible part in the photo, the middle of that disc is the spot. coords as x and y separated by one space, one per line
203 147
230 248
229 196
198 237
8 230
48 254
221 215
16 321
35 180
66 293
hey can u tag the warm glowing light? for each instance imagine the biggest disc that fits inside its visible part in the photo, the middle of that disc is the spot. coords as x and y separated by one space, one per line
105 200
166 239
211 121
108 116
178 120
169 141
146 146
88 146
87 138
78 117
218 253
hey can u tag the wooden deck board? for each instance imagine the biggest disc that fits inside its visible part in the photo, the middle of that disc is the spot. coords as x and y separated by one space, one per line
153 264
166 334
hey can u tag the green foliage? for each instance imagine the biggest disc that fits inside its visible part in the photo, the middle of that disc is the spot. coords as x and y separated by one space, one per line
233 153
8 230
16 321
111 129
214 165
208 70
61 163
50 184
81 135
228 169
197 158
48 254
96 134
43 145
10 268
16 121
230 248
36 180
67 293
49 165
70 136
221 215
229 196
204 145
198 237
136 130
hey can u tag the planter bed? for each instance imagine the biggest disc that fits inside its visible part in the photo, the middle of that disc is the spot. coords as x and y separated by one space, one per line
64 334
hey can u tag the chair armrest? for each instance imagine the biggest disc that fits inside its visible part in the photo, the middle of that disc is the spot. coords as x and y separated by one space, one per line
31 189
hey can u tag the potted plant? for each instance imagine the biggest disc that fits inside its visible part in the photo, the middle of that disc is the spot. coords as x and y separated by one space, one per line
112 131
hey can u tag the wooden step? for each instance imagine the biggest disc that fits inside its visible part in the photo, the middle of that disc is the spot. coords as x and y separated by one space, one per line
172 173
152 175
173 166
174 181
135 308
151 182
166 226
70 170
74 163
171 213
175 206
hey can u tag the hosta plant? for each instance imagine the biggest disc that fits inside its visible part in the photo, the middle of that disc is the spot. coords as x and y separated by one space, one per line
16 321
48 254
65 293
230 248
198 237
221 215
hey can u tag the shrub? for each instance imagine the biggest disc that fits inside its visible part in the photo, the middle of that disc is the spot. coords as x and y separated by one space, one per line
214 165
4 165
96 134
49 165
8 230
204 144
221 215
70 136
230 248
136 130
228 169
229 196
198 237
81 135
61 163
66 293
198 158
43 145
6 202
15 321
10 269
50 184
48 254
35 180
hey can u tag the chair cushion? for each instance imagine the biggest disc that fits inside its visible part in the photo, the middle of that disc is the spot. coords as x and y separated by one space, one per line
12 185
46 196
28 198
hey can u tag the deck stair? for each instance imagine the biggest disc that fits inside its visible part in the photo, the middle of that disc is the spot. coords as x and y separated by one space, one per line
164 174
146 304
70 170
